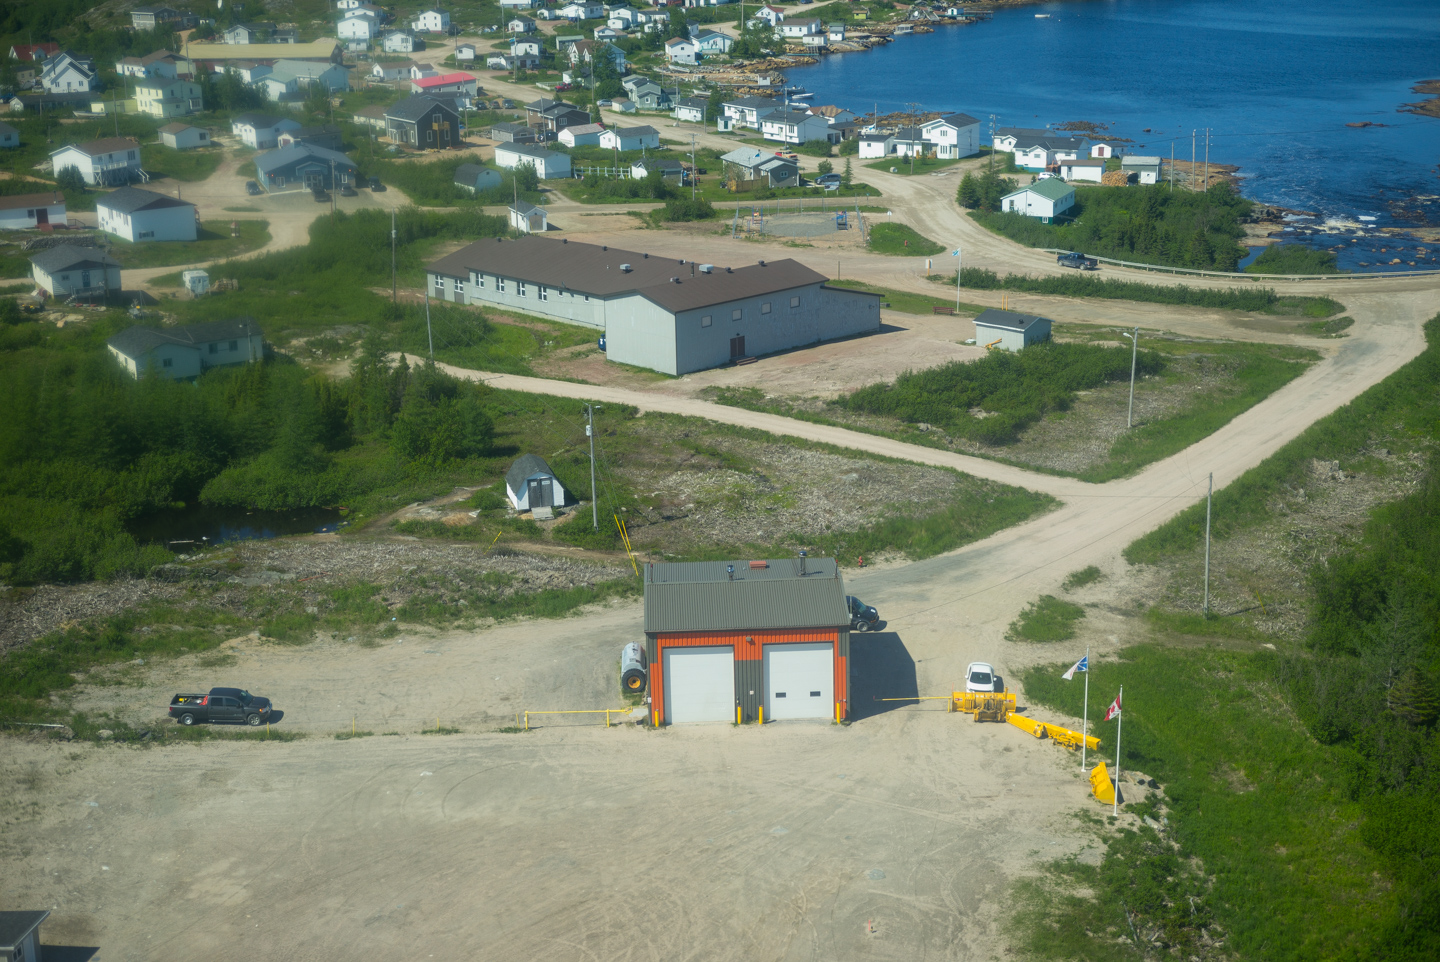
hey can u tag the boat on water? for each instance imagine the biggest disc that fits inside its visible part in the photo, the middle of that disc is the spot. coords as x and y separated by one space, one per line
1042 16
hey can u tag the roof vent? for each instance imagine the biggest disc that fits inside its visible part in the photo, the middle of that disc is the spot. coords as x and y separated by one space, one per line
707 268
646 256
674 280
730 570
626 268
729 270
564 240
802 562
762 263
604 247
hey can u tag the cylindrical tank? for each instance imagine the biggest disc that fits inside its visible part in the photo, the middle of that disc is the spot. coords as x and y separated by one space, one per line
632 668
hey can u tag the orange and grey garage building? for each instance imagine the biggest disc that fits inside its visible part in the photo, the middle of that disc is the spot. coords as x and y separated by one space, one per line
747 641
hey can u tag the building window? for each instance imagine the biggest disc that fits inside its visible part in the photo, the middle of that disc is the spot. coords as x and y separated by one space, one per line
234 345
794 303
544 294
167 362
440 284
214 348
765 308
146 234
520 288
705 321
736 314
499 284
459 288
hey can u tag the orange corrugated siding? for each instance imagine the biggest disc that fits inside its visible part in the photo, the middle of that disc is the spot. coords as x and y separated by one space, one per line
842 696
745 650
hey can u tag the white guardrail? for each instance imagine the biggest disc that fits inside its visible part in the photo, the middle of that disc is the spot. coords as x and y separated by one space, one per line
1250 277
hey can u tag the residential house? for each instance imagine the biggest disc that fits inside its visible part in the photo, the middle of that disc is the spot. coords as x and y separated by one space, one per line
630 138
622 17
520 4
401 41
587 50
431 21
357 28
332 76
348 4
667 168
188 351
1006 138
748 111
394 70
608 33
1045 199
833 115
31 211
1146 170
425 122
1104 150
419 71
712 43
474 177
746 164
682 50
166 98
148 18
107 162
464 53
248 33
372 116
9 136
279 86
691 109
564 43
261 130
326 136
462 86
555 115
66 72
582 10
954 135
646 94
835 32
518 134
774 16
84 273
133 214
581 135
249 72
520 25
877 144
303 167
528 218
184 137
161 63
1087 170
622 105
795 127
798 30
548 164
525 48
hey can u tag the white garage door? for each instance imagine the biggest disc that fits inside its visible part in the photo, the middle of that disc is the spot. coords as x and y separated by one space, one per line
800 680
700 684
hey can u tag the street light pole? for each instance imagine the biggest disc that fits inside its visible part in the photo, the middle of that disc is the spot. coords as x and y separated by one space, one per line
1134 350
590 433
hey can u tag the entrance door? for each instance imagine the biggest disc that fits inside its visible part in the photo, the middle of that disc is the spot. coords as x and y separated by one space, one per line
699 684
42 216
737 346
800 680
541 494
314 179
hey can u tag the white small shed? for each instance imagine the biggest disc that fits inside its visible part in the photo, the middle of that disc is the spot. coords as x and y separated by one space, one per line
184 136
1010 331
1104 151
528 218
530 484
197 282
1044 199
1087 170
1145 169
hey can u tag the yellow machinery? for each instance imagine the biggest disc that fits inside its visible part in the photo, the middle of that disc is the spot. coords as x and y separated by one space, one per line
1100 785
991 345
1000 707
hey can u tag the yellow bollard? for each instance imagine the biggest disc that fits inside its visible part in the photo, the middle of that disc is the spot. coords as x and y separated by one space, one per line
762 714
737 714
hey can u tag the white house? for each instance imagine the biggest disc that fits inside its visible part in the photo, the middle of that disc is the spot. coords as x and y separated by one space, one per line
748 111
109 161
69 73
165 97
875 145
476 177
278 87
133 214
520 4
548 164
582 11
183 136
1044 199
250 72
332 76
1105 151
908 141
394 70
431 21
402 41
1039 153
835 32
419 71
189 351
795 127
800 29
771 15
520 25
712 42
161 63
691 109
1010 331
630 138
1007 137
86 273
461 84
581 135
531 484
464 53
528 218
682 50
356 28
261 130
954 136
608 33
29 211
525 48
1145 169
1088 170
833 115
348 4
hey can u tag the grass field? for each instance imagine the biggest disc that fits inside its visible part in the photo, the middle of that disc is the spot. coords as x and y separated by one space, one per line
182 165
214 242
901 165
908 302
901 240
1046 619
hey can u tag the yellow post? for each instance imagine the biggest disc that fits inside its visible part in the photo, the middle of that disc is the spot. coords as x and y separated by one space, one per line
737 714
527 721
762 714
657 718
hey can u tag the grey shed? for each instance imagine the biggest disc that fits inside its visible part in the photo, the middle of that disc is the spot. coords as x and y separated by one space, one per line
531 484
20 935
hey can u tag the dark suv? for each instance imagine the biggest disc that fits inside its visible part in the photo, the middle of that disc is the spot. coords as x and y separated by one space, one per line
862 616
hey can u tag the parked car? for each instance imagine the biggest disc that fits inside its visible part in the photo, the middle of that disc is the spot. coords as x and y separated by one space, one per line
1078 261
509 104
320 196
981 677
788 155
604 103
862 616
376 186
830 178
252 188
348 191
221 705
563 86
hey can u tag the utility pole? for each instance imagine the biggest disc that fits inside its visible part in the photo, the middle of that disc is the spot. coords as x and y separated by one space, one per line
1192 158
914 123
393 289
1209 490
1207 158
693 168
992 143
428 333
1134 350
590 433
1172 165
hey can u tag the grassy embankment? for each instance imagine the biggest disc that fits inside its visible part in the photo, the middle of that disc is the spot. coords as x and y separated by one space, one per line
902 165
214 242
182 165
901 240
1303 780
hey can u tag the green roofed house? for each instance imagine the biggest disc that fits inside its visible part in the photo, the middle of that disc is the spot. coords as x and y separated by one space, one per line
1046 198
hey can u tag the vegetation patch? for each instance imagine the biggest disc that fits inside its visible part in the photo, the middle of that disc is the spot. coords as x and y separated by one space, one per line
901 240
214 240
1081 578
1046 619
1335 327
182 165
1293 259
907 302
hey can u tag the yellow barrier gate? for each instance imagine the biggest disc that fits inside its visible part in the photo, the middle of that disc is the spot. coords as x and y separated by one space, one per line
1060 736
607 712
984 705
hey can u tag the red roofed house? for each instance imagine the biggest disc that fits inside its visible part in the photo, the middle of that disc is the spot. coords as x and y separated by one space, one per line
33 52
446 83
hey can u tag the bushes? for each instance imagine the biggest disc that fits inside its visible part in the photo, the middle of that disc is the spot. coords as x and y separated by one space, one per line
983 192
685 209
432 183
1009 391
1293 259
1046 619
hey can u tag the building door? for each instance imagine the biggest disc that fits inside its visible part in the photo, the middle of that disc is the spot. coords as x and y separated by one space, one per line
314 179
737 346
699 684
800 680
541 495
42 216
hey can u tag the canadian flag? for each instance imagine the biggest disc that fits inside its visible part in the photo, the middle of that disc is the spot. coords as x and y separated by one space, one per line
1114 710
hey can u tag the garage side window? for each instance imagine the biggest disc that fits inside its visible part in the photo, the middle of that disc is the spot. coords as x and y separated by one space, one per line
520 288
765 308
794 303
543 294
736 314
499 284
706 320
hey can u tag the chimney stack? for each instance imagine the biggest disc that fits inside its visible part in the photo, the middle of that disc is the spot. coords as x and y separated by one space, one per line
802 562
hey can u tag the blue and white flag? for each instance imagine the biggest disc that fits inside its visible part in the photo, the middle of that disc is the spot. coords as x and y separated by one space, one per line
955 252
1082 665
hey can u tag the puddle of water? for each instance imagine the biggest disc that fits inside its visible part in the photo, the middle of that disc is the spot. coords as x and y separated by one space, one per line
198 525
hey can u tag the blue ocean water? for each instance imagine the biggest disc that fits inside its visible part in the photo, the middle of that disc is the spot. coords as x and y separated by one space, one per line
1275 81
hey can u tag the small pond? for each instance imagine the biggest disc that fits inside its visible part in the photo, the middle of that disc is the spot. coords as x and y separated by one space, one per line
200 524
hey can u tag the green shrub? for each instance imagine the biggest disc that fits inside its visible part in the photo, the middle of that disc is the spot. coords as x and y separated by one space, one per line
1081 578
1293 259
685 209
1046 619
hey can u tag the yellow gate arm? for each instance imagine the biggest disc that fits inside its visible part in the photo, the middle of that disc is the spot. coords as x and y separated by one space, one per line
1060 736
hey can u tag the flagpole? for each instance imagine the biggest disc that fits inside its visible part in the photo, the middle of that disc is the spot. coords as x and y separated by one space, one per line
1120 721
1085 724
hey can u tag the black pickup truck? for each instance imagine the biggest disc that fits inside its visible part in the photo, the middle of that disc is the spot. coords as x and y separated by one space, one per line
221 705
1078 261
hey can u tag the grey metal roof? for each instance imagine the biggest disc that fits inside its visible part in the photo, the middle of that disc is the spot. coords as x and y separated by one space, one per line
525 209
1008 320
469 173
65 257
14 926
700 596
128 200
258 121
136 341
525 466
414 107
526 150
957 120
634 131
285 156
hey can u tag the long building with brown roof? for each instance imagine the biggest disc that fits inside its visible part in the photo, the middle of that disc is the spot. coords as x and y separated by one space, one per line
664 313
